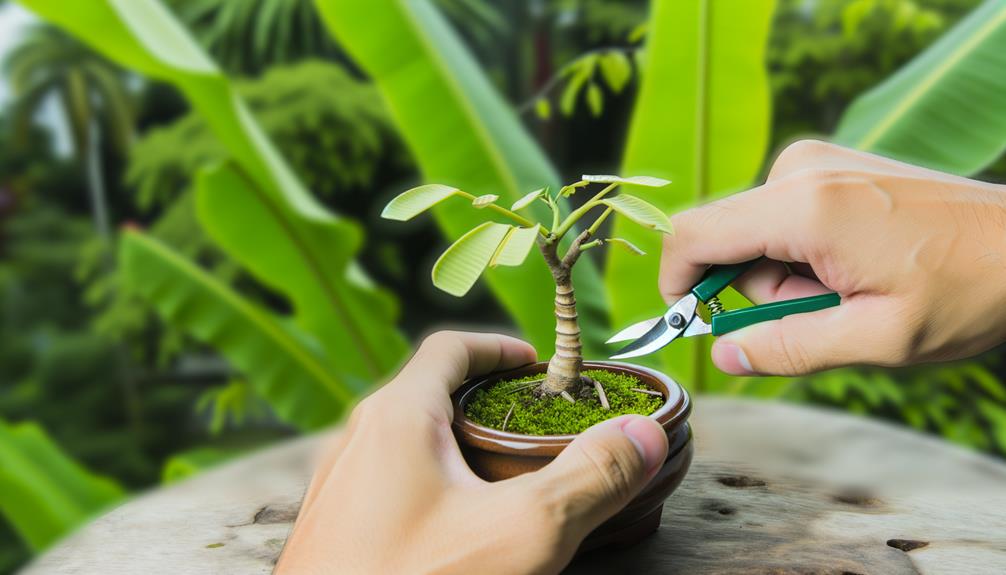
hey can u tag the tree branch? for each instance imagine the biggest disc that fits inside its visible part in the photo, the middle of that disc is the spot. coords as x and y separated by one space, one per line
574 251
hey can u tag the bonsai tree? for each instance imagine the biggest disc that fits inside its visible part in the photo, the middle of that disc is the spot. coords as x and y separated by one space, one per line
503 244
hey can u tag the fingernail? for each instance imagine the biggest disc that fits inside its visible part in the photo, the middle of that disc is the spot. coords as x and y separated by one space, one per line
731 359
649 439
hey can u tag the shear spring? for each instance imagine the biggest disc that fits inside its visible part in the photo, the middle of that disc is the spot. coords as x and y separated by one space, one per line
715 306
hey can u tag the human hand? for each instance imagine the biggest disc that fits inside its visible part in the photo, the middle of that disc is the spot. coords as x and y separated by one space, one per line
917 256
393 494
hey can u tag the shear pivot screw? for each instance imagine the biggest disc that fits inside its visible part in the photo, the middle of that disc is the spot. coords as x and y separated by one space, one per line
677 321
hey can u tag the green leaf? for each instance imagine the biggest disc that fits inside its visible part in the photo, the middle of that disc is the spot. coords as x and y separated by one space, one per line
194 461
284 366
483 201
474 140
615 69
44 493
582 70
515 246
460 266
144 36
543 108
595 99
569 190
701 116
415 201
646 181
641 212
528 198
944 109
626 245
332 300
995 414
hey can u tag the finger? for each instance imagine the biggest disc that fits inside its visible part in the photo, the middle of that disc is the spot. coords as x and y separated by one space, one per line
770 281
809 342
602 470
736 229
446 358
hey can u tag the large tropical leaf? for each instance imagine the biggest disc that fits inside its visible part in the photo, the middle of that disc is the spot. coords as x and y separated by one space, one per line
285 368
43 492
944 109
353 321
142 35
462 134
701 120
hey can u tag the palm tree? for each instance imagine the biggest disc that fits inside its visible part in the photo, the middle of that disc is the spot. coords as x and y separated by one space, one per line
95 100
90 90
247 36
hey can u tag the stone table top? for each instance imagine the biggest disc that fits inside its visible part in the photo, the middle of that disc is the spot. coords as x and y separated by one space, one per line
774 488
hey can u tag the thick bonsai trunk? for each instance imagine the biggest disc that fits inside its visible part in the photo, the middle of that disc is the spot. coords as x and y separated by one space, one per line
565 366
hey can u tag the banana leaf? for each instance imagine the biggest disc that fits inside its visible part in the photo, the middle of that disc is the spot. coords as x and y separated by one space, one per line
310 242
702 121
284 366
464 135
43 492
353 320
944 109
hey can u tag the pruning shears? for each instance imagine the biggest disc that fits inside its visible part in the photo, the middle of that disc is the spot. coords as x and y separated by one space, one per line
682 318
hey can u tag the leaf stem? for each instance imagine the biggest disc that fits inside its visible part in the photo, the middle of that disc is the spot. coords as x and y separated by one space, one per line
600 219
555 213
579 212
505 212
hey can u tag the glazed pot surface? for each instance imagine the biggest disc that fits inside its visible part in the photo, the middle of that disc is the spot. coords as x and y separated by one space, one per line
495 455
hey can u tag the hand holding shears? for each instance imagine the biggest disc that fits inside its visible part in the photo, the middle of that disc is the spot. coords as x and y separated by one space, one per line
682 318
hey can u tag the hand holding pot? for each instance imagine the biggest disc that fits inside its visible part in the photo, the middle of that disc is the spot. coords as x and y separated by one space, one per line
918 256
392 493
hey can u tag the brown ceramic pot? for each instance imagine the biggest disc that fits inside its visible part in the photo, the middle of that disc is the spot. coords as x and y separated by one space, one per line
496 455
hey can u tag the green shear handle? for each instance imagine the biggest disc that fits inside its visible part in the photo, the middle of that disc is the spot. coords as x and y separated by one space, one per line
717 278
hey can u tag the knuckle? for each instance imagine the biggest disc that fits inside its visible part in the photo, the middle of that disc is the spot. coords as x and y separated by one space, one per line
798 155
791 356
366 412
440 340
823 192
807 148
613 471
445 346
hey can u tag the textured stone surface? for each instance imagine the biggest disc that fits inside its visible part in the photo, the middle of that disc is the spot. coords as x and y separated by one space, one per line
774 488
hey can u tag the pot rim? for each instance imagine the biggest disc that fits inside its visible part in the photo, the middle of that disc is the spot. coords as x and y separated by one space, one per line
673 412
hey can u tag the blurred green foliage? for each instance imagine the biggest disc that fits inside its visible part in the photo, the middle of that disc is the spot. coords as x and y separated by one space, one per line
330 125
134 399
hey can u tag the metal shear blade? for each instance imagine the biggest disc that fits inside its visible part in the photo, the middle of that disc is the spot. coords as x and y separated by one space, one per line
660 332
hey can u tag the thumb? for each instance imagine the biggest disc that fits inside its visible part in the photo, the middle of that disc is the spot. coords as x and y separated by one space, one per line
808 342
604 468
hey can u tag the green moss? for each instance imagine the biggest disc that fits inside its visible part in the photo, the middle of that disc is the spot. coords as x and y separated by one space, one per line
555 415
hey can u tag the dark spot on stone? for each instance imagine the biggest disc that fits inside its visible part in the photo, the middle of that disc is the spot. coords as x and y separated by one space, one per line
720 508
850 573
856 497
214 545
740 481
270 514
906 545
